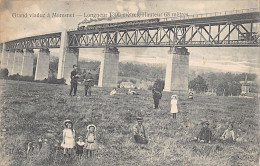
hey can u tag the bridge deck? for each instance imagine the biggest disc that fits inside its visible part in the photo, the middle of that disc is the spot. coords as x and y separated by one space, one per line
169 26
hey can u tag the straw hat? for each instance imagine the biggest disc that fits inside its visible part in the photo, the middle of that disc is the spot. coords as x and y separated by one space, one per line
91 125
67 121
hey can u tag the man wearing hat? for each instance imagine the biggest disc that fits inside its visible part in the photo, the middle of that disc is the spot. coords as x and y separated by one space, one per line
205 134
139 132
88 80
74 80
157 95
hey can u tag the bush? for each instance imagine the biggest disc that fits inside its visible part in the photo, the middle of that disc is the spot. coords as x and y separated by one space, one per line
122 80
31 79
133 81
4 73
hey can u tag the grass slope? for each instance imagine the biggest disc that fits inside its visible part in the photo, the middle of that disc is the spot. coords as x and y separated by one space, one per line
33 110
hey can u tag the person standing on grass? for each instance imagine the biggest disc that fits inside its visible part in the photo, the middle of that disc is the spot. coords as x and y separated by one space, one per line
74 80
157 95
68 141
174 106
205 134
80 146
88 81
139 132
91 140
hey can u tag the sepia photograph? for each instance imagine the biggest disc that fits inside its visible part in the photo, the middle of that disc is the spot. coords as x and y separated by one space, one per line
129 82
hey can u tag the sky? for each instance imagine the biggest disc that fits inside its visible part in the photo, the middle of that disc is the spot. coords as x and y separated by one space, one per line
221 59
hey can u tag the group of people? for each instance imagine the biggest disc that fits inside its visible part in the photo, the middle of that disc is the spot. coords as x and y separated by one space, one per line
69 140
88 81
205 134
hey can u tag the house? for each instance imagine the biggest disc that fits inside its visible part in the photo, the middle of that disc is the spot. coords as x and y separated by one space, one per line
247 86
127 85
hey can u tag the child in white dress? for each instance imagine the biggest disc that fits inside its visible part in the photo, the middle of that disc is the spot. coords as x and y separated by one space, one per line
91 140
68 141
174 105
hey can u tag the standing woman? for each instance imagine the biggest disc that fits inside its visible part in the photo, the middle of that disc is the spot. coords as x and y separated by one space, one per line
174 106
68 141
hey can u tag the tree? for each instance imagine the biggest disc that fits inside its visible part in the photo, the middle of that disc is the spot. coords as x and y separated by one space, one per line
198 84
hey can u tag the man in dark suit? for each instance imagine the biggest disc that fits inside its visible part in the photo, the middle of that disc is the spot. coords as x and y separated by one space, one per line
88 82
74 80
157 95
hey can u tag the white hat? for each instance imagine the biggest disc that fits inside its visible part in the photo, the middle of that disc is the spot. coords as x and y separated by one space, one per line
91 125
67 121
174 96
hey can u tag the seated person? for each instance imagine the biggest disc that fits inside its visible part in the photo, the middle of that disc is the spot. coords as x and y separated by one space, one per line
205 134
229 134
190 95
139 132
131 92
113 92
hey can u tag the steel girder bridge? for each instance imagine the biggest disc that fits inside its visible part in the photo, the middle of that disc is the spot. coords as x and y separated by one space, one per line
234 29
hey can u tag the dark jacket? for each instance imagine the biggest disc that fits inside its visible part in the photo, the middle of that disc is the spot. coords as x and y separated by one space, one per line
73 76
205 134
157 94
88 79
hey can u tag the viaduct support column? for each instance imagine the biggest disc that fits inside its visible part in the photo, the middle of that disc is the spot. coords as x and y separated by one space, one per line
108 75
68 57
27 67
4 57
17 63
42 67
10 61
177 70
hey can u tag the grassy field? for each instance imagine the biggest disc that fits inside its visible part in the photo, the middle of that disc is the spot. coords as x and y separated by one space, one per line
30 111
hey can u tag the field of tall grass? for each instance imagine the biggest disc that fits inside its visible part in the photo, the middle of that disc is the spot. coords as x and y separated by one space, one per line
30 111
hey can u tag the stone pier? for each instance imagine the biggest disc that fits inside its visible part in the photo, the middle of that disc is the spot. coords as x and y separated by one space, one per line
177 70
27 66
17 62
108 75
42 67
4 57
10 61
67 58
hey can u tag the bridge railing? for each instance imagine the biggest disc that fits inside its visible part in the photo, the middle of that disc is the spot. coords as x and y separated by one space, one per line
210 14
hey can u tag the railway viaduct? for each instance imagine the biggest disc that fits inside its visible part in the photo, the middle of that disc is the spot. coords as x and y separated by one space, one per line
237 28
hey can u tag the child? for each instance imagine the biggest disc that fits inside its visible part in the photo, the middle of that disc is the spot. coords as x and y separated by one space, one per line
229 134
205 134
131 92
90 140
68 141
79 146
174 107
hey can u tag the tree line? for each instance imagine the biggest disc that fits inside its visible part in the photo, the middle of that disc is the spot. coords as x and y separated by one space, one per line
227 84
